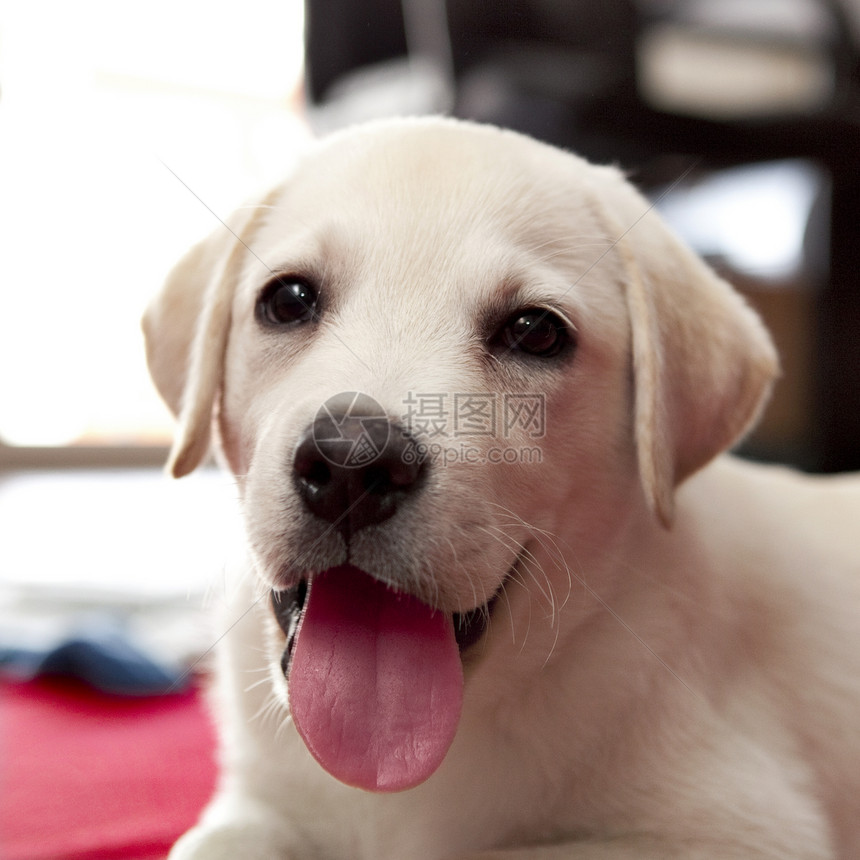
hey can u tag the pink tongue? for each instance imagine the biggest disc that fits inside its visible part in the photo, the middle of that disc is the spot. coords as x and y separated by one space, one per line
375 682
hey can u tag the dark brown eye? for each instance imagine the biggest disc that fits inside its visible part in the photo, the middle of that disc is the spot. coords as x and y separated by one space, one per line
287 300
535 331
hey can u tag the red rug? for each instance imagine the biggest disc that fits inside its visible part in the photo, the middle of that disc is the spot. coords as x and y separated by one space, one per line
84 776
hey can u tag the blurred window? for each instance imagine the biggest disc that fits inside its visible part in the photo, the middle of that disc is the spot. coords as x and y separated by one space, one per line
101 104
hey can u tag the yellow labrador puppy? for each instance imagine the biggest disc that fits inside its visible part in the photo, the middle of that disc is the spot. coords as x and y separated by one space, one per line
506 596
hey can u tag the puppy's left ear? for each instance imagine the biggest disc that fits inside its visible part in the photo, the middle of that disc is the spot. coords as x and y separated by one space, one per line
186 328
703 363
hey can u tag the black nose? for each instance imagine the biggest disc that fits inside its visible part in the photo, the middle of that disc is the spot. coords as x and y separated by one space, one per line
354 466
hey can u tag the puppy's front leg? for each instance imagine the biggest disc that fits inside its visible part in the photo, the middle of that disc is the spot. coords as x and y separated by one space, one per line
229 842
247 834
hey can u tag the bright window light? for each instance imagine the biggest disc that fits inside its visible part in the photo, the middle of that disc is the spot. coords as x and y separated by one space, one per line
754 218
97 97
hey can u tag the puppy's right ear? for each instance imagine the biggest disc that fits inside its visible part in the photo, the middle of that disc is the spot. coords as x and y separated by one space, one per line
186 329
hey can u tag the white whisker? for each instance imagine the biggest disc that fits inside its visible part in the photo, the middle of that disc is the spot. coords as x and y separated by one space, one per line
549 543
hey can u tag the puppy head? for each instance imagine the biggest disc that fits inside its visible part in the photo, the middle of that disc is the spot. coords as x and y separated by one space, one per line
701 362
441 266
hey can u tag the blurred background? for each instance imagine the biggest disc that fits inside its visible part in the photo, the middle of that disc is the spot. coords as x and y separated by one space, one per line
127 130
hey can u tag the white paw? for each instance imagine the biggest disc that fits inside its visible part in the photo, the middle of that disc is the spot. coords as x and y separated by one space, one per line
232 841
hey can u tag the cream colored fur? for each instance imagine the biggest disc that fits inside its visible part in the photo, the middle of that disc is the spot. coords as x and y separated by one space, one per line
673 670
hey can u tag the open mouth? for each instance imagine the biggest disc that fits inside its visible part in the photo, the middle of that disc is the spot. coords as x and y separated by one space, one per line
376 676
289 603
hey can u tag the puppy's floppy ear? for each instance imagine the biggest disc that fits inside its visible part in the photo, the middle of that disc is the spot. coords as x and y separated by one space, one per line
186 328
703 363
